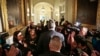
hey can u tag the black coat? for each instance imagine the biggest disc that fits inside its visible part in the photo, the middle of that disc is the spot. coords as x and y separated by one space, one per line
23 50
43 43
52 54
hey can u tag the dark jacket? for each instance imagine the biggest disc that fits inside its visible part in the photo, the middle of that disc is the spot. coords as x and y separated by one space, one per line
52 54
43 43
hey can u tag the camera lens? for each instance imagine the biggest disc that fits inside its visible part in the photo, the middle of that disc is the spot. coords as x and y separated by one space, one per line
6 46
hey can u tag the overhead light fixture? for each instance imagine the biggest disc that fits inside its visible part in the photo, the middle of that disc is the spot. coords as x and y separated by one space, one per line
28 14
28 10
57 14
32 14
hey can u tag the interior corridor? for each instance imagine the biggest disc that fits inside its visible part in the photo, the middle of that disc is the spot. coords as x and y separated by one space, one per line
81 16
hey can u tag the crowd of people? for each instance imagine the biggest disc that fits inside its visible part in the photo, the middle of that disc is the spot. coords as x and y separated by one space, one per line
54 39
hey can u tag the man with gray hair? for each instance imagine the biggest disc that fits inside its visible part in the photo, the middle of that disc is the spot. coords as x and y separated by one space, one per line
43 43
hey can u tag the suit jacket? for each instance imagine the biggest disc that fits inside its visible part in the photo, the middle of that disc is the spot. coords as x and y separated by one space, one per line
23 50
52 54
43 43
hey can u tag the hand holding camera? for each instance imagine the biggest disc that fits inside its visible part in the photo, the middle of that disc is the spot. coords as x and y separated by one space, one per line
13 51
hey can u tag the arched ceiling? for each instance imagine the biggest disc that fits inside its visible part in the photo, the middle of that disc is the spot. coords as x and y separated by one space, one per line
41 5
52 2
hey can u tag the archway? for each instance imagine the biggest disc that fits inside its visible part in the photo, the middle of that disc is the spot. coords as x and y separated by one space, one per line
42 11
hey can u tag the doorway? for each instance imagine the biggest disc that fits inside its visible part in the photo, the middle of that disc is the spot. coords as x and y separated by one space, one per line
42 12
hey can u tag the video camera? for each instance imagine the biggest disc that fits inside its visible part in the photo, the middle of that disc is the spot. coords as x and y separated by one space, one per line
77 24
3 36
97 34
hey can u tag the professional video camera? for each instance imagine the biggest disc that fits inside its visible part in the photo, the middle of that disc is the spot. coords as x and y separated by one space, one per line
3 36
97 34
77 24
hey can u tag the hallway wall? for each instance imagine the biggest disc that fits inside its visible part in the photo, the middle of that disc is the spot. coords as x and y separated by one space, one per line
69 10
52 5
66 6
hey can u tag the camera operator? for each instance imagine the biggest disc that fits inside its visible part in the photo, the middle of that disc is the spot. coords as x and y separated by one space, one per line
81 40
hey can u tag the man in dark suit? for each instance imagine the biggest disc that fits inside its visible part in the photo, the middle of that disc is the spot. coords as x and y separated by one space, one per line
43 43
61 20
55 45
